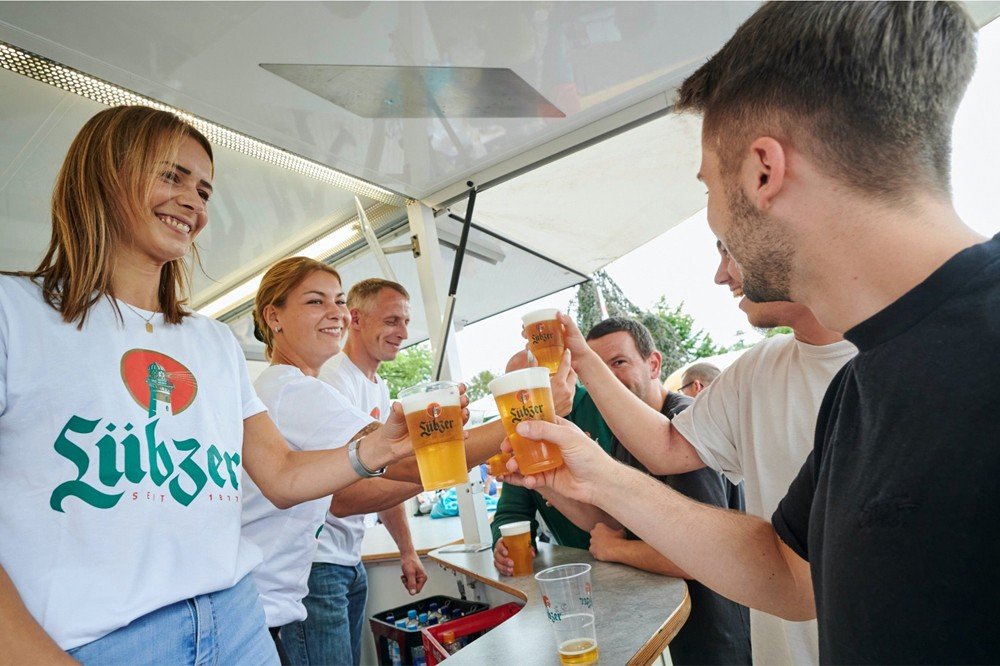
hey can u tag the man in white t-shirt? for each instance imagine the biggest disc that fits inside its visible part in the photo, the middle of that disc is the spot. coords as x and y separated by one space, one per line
754 423
338 587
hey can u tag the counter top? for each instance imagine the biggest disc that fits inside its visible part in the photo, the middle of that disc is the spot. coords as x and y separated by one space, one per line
427 534
637 613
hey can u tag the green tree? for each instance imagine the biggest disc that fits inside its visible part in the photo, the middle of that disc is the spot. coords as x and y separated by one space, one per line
478 386
673 330
777 330
586 309
411 366
687 343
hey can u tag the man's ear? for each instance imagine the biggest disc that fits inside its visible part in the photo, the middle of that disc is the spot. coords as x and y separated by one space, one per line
655 364
764 175
355 318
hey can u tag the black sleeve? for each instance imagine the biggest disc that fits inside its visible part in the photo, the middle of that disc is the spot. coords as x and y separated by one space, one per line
675 404
704 485
791 518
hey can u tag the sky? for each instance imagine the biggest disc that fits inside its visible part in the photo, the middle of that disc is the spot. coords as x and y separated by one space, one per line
685 257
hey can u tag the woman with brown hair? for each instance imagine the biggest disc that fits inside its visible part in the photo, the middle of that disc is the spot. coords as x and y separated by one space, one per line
126 422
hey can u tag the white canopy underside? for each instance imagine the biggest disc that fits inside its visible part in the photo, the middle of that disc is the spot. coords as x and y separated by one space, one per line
607 67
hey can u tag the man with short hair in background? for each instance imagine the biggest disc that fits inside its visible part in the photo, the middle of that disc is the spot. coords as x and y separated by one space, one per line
697 378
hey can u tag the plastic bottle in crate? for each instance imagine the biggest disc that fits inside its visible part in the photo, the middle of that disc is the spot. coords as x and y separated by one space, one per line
449 643
395 655
419 658
422 619
412 623
395 658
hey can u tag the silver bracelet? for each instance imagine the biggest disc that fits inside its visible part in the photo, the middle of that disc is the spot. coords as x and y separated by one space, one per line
359 467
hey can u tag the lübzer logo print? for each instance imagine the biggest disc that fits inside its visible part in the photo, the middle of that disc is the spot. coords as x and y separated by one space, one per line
541 335
131 457
435 426
527 411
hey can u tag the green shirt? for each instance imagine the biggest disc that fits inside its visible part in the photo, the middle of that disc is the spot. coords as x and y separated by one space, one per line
517 503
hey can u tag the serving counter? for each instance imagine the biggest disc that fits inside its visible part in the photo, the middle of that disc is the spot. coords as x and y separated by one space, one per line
426 533
637 613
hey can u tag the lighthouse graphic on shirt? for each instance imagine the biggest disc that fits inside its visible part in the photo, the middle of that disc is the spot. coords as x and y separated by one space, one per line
161 385
160 389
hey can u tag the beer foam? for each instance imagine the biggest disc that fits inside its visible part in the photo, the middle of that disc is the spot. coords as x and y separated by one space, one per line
528 378
443 393
513 529
547 314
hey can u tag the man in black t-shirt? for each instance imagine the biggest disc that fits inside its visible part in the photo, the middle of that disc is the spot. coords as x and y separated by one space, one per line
826 153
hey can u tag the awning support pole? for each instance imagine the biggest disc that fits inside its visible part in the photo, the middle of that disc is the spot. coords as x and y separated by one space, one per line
456 272
430 271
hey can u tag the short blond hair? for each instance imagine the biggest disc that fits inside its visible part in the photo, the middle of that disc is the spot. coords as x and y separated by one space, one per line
362 295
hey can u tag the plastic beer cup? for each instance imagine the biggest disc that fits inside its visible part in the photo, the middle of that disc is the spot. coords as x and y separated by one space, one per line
569 603
525 395
545 337
434 420
498 464
517 538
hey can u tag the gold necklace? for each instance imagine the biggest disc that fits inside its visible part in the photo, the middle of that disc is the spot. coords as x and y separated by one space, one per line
148 320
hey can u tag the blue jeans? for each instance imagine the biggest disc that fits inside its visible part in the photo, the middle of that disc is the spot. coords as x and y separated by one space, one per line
331 633
224 627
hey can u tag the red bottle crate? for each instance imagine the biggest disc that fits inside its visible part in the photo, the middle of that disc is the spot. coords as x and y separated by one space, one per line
479 623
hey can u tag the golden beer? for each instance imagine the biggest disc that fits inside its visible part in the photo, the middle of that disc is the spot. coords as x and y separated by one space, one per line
578 651
434 420
517 538
545 337
569 604
498 464
525 395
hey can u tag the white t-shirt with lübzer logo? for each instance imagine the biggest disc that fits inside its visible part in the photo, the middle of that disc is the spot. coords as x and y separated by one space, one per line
120 462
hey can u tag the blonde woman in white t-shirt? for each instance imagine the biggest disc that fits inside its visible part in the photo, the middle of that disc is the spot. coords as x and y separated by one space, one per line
301 316
126 422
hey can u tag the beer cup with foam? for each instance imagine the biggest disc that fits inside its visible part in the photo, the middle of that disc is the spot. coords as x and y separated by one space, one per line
525 395
517 538
434 419
545 337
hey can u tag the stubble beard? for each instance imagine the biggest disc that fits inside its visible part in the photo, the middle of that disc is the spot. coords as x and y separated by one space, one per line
761 249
